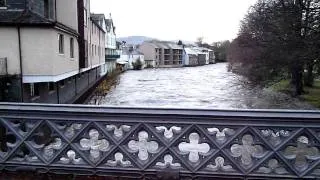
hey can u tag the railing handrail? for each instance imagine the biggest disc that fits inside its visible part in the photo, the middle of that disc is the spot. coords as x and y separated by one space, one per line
283 113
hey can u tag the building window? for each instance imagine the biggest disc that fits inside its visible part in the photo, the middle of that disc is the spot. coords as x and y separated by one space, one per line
3 3
46 8
92 51
51 86
61 43
34 89
92 28
86 49
62 83
71 48
85 17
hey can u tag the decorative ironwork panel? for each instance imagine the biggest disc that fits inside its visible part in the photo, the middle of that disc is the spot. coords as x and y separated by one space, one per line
144 142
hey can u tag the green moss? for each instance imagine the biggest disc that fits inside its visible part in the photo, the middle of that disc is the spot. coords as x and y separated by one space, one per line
281 86
312 94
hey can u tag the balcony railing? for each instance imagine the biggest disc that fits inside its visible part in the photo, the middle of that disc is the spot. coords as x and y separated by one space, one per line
113 56
162 143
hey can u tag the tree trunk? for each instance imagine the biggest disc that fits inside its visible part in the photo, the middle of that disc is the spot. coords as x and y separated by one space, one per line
308 81
297 79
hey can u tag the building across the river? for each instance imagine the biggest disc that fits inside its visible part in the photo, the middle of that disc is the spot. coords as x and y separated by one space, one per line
162 53
131 56
170 54
190 57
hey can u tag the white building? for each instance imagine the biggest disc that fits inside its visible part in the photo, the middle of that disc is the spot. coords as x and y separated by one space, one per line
203 55
131 56
162 53
101 21
111 47
190 57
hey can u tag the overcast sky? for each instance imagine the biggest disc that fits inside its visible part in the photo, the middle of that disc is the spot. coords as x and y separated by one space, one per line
214 20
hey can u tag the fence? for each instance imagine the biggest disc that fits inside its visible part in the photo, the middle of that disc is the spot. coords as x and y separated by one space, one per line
160 143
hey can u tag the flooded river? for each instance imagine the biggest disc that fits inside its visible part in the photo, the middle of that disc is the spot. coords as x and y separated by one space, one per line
210 86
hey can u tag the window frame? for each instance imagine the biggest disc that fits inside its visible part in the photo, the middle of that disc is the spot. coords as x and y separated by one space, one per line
46 8
92 50
72 47
61 44
62 83
34 90
51 88
4 5
87 51
85 17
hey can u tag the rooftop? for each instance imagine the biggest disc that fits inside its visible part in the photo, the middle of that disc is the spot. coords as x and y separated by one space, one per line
22 17
164 44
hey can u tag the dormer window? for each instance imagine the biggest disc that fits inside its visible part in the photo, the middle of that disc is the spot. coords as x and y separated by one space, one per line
49 11
3 4
44 8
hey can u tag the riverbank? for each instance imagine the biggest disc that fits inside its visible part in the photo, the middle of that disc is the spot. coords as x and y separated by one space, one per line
103 88
311 95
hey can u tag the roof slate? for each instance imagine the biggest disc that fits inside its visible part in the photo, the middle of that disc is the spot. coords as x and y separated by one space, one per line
22 17
126 51
165 44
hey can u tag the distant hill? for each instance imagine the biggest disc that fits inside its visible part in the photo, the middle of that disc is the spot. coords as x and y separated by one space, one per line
134 39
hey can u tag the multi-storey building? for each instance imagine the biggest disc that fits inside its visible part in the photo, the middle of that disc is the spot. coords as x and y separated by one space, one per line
162 53
112 50
43 43
100 20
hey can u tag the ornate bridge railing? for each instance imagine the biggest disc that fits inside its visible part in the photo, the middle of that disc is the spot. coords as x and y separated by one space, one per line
160 143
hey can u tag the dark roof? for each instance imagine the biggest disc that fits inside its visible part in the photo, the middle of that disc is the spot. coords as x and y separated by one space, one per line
109 22
22 17
29 18
164 44
97 17
126 51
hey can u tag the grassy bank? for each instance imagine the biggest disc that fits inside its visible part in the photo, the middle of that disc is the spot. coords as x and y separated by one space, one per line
311 95
103 88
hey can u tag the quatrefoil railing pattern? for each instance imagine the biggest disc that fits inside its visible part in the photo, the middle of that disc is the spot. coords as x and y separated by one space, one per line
214 146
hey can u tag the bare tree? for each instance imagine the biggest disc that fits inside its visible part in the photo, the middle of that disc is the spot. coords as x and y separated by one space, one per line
199 41
277 37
